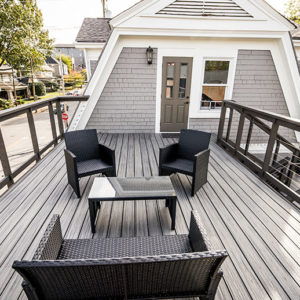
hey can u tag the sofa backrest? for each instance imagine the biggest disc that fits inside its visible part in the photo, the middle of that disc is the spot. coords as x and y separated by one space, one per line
192 142
83 143
138 277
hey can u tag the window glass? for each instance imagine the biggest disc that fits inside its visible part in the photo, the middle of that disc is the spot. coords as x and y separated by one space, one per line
170 80
182 80
216 72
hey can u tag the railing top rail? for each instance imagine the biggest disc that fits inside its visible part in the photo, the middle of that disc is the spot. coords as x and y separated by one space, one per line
8 113
270 116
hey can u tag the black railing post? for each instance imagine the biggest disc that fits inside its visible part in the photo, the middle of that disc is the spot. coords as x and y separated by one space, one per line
229 124
240 131
249 136
33 134
5 161
270 147
52 122
222 121
59 119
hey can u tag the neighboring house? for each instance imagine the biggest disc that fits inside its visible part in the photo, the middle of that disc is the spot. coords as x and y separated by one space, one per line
59 69
91 38
46 73
203 52
76 55
8 82
296 40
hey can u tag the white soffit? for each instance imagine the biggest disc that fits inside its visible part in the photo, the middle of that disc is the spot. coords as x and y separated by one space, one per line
205 8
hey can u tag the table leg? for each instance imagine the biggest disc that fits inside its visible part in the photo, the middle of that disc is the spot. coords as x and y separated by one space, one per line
172 208
167 202
92 214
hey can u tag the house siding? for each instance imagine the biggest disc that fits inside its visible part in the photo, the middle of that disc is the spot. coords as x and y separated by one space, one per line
127 103
257 85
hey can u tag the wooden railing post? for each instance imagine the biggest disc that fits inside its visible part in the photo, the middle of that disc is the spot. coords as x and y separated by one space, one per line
229 124
59 119
240 131
33 135
5 161
271 143
222 121
249 137
52 122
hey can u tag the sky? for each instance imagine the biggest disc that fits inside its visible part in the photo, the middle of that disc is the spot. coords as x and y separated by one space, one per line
63 17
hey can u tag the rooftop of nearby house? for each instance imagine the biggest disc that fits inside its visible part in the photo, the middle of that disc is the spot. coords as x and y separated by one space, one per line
5 69
94 30
51 61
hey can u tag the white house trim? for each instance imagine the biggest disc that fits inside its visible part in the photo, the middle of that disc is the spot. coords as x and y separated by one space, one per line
136 27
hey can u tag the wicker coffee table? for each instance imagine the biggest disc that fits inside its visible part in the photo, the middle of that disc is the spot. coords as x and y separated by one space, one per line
131 188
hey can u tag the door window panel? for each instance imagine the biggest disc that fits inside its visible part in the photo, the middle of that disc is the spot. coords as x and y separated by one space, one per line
214 84
182 80
170 80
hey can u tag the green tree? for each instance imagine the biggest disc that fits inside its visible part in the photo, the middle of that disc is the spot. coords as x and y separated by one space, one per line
66 60
292 10
24 43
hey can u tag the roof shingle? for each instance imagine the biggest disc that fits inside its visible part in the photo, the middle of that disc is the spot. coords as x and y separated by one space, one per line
94 30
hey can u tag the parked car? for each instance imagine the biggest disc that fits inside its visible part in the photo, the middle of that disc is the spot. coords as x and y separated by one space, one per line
62 108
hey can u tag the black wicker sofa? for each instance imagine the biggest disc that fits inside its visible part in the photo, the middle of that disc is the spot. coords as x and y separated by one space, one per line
118 268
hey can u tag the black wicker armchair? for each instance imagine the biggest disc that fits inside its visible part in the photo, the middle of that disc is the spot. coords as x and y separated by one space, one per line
122 268
189 156
85 156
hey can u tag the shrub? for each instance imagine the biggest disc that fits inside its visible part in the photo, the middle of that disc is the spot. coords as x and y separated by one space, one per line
40 88
5 104
74 79
52 86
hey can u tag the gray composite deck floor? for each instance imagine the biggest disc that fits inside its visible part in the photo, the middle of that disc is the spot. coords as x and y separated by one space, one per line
259 229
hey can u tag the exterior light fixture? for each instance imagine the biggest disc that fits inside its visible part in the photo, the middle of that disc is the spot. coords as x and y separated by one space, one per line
149 53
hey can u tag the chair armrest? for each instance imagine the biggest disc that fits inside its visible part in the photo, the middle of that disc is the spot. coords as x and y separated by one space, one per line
168 153
107 154
71 161
51 241
201 160
197 234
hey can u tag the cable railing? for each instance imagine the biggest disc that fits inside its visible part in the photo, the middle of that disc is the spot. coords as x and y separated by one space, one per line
28 109
279 164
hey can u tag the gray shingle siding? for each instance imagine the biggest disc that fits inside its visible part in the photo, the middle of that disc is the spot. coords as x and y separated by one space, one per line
127 103
257 85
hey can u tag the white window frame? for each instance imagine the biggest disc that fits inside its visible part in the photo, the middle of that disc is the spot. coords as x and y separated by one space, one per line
215 113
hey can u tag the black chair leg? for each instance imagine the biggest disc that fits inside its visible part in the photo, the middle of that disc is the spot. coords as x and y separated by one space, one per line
74 183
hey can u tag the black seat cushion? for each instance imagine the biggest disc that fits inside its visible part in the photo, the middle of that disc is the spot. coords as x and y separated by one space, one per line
124 247
180 165
92 166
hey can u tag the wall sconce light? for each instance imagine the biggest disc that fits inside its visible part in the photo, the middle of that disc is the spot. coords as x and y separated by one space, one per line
149 53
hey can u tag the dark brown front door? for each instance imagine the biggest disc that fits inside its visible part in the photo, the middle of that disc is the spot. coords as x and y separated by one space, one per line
176 86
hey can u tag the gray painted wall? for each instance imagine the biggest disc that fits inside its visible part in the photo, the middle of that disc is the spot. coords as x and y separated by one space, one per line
127 103
93 65
257 85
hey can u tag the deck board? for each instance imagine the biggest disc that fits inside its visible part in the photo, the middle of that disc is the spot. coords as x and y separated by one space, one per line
259 229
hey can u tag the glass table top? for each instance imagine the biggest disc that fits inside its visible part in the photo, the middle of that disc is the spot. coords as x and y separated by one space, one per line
132 187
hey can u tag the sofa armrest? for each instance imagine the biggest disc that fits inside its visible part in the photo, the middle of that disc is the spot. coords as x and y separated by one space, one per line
168 153
107 154
71 162
51 241
197 234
